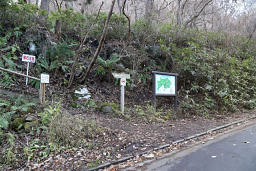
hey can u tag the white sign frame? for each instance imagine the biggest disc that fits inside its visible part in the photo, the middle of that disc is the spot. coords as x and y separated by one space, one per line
45 78
162 90
172 77
173 92
121 75
28 58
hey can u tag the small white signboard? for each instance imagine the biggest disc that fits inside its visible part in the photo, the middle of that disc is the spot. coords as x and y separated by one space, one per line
28 58
45 78
121 75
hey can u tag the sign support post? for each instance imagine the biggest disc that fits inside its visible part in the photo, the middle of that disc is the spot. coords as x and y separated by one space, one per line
27 73
45 79
123 77
42 93
175 103
154 95
122 98
28 59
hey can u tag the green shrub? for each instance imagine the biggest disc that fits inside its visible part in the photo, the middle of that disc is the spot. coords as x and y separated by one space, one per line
143 32
72 23
64 128
11 107
117 29
18 14
57 58
214 78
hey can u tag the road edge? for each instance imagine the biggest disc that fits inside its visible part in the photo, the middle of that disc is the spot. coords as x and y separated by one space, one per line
108 164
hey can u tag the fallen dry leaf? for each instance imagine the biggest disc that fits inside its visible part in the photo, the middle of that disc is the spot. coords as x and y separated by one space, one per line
149 156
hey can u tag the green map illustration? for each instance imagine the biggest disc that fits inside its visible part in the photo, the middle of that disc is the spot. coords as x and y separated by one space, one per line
163 82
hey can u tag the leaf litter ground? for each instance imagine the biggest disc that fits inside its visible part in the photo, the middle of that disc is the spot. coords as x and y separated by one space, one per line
119 137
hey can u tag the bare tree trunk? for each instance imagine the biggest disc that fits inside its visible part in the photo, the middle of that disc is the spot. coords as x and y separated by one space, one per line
178 16
85 4
37 2
128 18
135 10
180 12
149 10
45 5
58 28
101 41
58 23
78 52
83 8
119 6
69 5
212 19
251 34
197 14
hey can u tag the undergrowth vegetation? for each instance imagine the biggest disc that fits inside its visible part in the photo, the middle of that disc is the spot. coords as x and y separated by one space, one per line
217 74
216 70
47 132
11 108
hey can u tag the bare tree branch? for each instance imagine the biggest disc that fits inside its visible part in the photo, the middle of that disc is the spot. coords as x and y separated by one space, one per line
165 4
128 18
100 43
119 7
178 16
197 14
183 7
79 50
251 34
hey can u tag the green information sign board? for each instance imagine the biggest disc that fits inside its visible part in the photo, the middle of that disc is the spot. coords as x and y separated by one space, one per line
164 84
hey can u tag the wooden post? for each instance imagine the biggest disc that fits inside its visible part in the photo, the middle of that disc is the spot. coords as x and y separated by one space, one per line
154 94
42 93
175 103
43 81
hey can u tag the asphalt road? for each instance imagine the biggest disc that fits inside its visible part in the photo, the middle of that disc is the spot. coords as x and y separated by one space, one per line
234 152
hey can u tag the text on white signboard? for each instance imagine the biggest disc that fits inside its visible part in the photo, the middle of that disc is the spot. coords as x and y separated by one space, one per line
28 58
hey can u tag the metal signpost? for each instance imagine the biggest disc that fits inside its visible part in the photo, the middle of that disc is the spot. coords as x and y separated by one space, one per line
123 77
164 84
28 59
